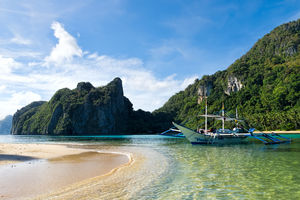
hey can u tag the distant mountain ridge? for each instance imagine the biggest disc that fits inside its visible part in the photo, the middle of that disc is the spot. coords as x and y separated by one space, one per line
264 86
5 124
85 110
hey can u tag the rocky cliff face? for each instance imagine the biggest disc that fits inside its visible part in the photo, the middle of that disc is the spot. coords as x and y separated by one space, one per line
233 85
83 110
22 115
94 111
204 91
5 125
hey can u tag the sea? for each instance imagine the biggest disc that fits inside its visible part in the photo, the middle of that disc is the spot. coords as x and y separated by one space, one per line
175 169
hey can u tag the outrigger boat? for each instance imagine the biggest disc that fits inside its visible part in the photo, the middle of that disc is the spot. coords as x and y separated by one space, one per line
226 136
220 136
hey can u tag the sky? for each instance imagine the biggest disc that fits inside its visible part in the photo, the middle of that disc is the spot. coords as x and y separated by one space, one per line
156 47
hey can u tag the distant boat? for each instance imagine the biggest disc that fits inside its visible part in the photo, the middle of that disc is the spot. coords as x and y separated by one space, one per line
220 136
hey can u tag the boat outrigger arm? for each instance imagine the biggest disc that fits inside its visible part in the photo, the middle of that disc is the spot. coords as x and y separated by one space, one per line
272 138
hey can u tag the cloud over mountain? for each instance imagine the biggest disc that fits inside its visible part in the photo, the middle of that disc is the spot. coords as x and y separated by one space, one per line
65 49
67 65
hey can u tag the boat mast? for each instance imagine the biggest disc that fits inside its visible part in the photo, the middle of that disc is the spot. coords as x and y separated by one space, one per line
223 116
236 118
205 114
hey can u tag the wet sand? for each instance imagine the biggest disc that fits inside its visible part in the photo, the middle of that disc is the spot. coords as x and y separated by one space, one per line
13 153
126 182
31 170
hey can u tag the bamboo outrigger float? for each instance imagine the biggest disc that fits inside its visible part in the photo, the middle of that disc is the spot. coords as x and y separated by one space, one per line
272 138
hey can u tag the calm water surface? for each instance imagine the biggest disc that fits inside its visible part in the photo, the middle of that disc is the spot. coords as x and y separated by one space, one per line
247 171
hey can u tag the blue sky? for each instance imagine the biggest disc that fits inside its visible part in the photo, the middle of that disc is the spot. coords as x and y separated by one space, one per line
156 47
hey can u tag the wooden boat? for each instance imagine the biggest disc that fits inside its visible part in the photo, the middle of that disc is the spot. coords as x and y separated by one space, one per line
221 136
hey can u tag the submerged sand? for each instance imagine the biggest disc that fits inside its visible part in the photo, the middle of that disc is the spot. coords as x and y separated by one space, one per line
78 171
30 170
126 182
13 153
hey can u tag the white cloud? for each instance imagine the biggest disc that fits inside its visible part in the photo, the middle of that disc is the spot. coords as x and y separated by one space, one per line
20 40
20 53
148 92
16 101
141 86
24 98
109 62
2 87
188 81
66 48
7 64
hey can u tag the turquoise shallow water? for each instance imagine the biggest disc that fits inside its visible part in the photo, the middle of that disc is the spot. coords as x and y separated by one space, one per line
247 171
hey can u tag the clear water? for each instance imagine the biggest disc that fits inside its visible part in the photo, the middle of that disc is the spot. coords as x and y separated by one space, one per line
247 171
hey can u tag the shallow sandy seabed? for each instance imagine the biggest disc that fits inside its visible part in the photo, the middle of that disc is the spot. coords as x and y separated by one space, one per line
121 181
124 182
13 153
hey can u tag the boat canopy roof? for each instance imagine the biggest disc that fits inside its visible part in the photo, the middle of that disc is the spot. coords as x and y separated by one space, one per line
219 117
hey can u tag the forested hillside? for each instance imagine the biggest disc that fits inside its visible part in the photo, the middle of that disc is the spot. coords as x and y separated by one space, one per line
264 86
85 110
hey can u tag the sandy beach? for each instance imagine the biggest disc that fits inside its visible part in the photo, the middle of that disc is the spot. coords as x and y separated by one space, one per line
31 170
13 153
123 182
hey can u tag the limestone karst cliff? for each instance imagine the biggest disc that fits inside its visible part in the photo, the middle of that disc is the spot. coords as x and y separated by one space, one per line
82 111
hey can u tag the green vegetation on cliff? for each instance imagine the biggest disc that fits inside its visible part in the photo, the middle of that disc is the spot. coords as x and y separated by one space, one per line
85 110
264 85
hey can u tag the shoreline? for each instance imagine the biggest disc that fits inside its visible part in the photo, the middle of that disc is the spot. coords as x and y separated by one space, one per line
65 166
